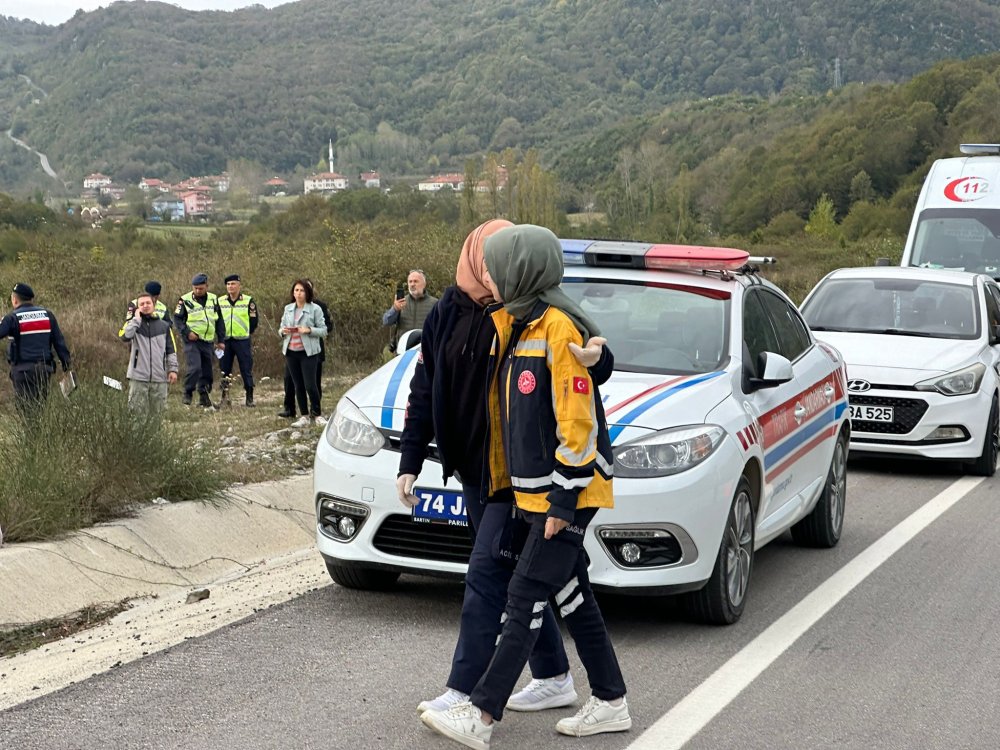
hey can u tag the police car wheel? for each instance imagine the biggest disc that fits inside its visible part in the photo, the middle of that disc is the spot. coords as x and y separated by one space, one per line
364 579
722 599
823 526
986 464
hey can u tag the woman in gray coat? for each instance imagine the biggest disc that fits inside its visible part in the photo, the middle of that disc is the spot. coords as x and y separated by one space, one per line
302 329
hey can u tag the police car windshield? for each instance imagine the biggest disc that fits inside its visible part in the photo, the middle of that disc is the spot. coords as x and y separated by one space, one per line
655 328
966 239
894 307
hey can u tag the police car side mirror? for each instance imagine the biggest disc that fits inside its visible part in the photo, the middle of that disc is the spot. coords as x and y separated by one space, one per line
773 370
408 340
994 335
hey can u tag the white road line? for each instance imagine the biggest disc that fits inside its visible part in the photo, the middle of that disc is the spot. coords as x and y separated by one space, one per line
690 715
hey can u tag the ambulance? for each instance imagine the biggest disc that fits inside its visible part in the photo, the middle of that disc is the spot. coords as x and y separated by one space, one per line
956 224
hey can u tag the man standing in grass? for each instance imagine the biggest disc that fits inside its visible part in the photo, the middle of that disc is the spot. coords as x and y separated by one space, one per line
239 318
34 334
152 360
198 320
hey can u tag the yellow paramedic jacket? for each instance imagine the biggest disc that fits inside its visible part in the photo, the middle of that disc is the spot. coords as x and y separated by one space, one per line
553 447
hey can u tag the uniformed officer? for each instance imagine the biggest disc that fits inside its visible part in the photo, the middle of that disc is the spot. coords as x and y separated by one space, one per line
239 318
34 334
198 320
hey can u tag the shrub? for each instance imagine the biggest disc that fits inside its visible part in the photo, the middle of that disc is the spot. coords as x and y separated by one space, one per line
88 459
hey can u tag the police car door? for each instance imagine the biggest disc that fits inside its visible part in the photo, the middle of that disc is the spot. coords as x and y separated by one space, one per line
802 452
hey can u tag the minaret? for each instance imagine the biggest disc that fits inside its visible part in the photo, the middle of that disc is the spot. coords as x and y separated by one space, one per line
331 154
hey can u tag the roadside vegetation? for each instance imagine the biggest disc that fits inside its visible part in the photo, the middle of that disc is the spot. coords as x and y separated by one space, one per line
20 639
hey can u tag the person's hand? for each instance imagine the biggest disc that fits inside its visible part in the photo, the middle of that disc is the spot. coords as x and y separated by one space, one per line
220 345
192 336
399 304
589 354
404 488
305 329
171 377
553 526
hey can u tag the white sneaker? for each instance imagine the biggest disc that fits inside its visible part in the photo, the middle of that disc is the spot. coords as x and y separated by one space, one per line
595 717
537 695
443 702
462 723
320 420
301 422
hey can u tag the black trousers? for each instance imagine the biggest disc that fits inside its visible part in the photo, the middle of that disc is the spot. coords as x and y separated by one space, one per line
491 566
301 368
198 357
550 571
31 387
240 351
290 384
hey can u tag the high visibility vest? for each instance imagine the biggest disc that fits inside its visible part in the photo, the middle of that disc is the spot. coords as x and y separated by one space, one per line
236 316
201 319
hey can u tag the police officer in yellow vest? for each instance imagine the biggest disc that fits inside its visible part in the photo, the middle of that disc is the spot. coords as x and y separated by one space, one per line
199 322
239 318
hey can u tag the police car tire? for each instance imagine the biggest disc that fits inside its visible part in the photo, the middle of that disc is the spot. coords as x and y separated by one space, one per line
819 529
986 464
712 604
364 579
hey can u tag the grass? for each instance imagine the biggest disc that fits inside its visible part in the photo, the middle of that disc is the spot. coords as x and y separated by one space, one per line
28 637
188 231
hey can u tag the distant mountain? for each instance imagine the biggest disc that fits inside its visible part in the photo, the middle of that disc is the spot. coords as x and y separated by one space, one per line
147 88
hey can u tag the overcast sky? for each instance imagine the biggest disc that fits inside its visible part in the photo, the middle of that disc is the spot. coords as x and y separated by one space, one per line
56 11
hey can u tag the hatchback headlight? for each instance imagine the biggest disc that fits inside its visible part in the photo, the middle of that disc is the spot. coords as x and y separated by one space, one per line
351 431
959 383
667 451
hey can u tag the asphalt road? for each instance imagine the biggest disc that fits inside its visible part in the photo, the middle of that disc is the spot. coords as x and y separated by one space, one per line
908 658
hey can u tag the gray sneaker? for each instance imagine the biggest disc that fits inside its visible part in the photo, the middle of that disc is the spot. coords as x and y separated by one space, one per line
463 723
538 695
596 717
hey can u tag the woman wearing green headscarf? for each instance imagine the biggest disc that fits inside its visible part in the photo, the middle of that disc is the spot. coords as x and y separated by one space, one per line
554 452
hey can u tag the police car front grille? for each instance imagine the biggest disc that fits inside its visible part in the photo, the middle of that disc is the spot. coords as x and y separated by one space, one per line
907 413
392 438
401 535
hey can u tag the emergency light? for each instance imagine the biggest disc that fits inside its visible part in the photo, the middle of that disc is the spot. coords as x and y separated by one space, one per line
695 258
660 257
980 149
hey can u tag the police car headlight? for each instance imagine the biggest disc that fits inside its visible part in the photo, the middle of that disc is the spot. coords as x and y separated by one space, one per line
667 451
959 383
351 431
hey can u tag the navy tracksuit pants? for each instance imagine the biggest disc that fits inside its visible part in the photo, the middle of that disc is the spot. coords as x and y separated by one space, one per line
550 571
238 349
491 566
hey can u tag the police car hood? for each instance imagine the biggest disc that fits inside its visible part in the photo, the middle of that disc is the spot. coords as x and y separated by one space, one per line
899 360
635 403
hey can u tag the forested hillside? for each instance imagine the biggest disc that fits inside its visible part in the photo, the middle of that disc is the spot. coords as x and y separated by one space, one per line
147 88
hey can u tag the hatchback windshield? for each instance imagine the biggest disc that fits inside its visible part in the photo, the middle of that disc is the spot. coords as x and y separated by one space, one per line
657 328
904 307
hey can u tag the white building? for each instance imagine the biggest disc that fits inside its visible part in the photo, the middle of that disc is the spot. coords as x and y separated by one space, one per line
324 182
95 181
440 181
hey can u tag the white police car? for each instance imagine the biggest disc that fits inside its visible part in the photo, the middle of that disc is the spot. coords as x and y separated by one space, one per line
923 350
728 421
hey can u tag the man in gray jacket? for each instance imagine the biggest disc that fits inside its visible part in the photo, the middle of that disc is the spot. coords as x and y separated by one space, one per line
153 361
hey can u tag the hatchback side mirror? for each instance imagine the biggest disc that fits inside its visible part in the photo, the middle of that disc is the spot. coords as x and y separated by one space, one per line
994 335
408 340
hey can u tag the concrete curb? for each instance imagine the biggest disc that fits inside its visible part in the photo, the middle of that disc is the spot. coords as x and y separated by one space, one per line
166 548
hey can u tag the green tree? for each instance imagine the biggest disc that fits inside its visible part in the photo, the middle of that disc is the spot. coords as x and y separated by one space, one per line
822 221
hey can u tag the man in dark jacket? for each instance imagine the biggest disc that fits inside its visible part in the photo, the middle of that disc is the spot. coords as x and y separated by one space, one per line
410 309
34 334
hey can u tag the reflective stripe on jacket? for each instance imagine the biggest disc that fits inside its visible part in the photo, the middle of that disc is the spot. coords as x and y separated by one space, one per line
236 317
201 319
554 449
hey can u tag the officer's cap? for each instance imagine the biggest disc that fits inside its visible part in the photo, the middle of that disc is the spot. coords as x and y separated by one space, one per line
199 278
23 291
232 277
153 287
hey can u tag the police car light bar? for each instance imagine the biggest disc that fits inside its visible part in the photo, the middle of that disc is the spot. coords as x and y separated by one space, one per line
762 260
695 258
980 149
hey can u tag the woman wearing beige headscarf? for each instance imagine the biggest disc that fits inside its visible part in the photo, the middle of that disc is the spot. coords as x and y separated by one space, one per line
447 404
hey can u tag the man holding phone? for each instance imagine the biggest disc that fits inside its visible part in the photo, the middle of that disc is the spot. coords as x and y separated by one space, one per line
410 308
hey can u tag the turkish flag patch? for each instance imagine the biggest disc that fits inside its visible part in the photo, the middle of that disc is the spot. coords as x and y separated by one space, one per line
581 385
